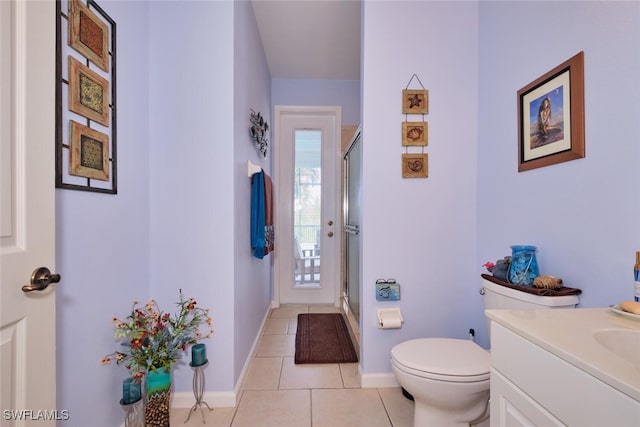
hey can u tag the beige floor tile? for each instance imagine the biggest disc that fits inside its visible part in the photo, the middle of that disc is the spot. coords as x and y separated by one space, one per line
274 408
399 408
275 326
485 423
278 393
324 309
293 325
360 407
288 311
263 374
219 417
324 375
350 376
276 346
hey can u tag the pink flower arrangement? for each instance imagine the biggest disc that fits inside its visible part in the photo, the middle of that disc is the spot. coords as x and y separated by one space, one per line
489 266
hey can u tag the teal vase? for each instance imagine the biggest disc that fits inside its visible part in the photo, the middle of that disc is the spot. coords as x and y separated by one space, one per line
524 265
158 398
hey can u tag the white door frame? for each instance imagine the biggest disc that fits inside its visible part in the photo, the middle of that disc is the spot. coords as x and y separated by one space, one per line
283 255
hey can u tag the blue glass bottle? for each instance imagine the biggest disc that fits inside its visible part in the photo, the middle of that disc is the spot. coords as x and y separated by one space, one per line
524 265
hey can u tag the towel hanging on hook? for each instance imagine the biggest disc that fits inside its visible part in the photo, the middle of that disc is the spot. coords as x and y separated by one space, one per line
262 231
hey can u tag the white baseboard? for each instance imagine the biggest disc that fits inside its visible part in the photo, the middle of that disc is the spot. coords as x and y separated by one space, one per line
382 380
254 348
222 399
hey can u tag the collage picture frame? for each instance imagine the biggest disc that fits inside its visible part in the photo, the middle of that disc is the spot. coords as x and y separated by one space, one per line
86 122
415 102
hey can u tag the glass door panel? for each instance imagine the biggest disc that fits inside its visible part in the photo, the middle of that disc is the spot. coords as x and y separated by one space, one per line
352 226
307 206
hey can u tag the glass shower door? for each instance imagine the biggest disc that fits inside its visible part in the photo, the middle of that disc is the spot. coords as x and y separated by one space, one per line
352 226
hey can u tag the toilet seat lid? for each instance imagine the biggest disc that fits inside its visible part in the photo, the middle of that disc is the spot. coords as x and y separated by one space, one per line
444 357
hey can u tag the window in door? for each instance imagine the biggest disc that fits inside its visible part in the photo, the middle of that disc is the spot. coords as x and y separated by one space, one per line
307 207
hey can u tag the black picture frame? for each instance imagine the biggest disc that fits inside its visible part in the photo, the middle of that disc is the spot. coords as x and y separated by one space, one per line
64 115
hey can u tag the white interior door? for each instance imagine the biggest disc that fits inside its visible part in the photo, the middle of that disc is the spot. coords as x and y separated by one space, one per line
27 192
307 178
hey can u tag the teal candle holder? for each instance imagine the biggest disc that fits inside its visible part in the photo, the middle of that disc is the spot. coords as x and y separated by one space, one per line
198 355
131 391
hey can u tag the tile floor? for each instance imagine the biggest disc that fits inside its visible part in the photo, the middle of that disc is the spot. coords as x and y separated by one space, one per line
279 393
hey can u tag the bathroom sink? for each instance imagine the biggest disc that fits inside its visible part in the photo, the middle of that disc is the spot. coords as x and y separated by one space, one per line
625 343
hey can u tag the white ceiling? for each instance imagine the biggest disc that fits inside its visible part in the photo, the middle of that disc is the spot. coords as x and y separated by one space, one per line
310 39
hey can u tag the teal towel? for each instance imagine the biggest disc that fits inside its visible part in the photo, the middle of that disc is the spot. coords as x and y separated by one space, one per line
258 234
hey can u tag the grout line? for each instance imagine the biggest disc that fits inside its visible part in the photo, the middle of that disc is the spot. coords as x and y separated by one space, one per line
281 372
235 410
386 411
311 407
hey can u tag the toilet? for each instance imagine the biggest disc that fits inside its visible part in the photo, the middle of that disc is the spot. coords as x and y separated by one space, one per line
449 378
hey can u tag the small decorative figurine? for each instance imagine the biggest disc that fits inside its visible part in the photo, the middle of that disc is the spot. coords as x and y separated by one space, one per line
259 131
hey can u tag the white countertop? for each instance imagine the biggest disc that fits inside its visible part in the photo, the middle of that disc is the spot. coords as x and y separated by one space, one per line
568 333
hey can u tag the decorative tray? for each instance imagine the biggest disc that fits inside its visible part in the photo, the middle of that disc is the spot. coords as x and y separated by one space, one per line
616 309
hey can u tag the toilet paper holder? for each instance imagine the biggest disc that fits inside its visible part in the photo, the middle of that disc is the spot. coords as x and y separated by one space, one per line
389 318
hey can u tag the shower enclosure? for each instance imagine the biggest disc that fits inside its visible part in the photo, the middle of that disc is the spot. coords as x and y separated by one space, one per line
352 176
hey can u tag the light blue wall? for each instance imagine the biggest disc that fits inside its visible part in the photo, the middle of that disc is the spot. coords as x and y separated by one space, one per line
473 57
583 214
192 192
180 219
252 90
102 243
422 232
345 93
201 96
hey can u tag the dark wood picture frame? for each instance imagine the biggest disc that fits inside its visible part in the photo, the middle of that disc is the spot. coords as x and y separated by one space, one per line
415 134
551 117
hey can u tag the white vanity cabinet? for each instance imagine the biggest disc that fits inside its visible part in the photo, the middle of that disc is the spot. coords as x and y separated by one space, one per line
532 386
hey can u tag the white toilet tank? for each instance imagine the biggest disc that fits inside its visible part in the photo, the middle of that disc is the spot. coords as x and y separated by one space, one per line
502 297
